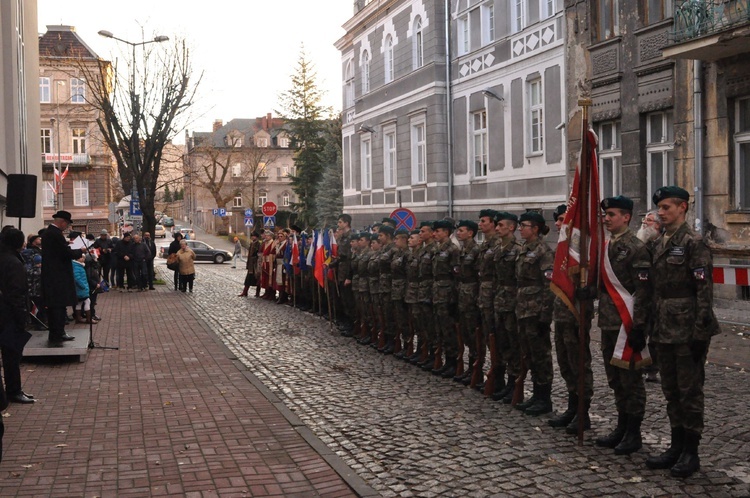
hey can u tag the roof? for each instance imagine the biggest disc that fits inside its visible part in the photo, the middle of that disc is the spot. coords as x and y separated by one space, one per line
62 41
247 128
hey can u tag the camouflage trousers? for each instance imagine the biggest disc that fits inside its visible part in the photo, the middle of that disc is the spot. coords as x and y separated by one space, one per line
628 386
537 350
426 323
468 319
400 319
507 341
416 329
487 323
363 303
385 312
682 383
567 347
445 329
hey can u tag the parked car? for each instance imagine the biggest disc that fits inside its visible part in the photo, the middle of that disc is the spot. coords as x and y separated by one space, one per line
167 221
160 232
204 252
187 232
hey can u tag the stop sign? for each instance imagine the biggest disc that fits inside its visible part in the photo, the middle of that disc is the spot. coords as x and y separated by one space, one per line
269 209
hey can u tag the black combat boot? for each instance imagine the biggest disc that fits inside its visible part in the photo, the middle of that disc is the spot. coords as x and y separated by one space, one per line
531 400
449 370
428 363
499 380
613 438
631 441
509 387
564 418
669 458
389 345
543 403
689 462
572 427
467 372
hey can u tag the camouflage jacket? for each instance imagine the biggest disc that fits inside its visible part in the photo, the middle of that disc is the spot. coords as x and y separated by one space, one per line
344 267
468 275
354 273
398 273
487 271
373 272
506 287
445 265
384 265
533 273
425 272
412 276
682 275
363 282
631 264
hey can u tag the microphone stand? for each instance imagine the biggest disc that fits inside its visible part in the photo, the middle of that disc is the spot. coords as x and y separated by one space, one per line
92 344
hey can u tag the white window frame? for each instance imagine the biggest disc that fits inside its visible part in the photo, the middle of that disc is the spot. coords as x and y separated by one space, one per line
479 144
80 192
661 147
365 72
535 96
349 85
283 142
349 165
518 16
77 91
547 8
48 195
78 140
236 170
418 43
390 158
262 170
464 35
261 141
742 141
418 150
610 158
365 148
237 201
45 90
262 198
46 137
285 199
389 60
488 23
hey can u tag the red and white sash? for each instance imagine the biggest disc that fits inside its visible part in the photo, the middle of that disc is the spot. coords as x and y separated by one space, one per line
623 301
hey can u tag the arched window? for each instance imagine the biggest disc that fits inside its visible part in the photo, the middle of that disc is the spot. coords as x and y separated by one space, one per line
418 43
389 68
349 85
365 72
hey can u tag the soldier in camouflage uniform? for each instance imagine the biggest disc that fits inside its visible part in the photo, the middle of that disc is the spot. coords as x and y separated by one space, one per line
398 292
373 288
630 262
362 287
444 267
486 291
426 321
506 327
468 292
412 294
534 310
682 271
567 347
385 237
342 265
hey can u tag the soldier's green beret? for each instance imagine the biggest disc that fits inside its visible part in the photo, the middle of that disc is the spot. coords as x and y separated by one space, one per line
414 232
445 224
505 215
533 217
670 193
490 213
559 210
402 232
389 221
619 202
470 224
387 229
426 224
373 236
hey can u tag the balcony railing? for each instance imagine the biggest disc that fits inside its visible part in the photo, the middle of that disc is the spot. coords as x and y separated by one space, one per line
696 18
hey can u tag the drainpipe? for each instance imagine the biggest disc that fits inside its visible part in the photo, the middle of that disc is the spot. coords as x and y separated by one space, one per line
698 143
449 105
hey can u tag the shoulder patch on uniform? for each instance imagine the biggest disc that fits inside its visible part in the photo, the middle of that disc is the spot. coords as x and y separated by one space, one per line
677 251
531 254
699 273
643 275
548 274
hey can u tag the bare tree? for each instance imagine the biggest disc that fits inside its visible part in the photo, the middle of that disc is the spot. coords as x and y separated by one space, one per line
142 109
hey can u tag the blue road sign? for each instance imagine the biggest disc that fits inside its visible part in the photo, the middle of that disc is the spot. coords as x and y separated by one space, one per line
404 218
215 212
249 222
222 212
269 221
135 208
248 213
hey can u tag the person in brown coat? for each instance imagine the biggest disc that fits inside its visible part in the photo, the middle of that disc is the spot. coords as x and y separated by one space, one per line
252 266
186 258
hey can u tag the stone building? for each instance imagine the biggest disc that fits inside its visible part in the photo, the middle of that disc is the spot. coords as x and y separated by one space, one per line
70 137
447 112
237 166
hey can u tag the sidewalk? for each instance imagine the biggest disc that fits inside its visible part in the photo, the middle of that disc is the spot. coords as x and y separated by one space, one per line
171 412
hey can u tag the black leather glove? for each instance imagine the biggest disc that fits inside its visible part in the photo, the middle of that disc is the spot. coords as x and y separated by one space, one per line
585 293
698 349
543 328
637 339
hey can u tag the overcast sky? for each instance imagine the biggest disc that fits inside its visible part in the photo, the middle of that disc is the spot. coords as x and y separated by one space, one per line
247 48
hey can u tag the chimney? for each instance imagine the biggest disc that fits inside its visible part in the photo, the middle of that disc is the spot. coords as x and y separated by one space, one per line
218 123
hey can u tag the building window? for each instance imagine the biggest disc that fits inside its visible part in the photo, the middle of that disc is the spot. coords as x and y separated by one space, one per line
536 117
659 151
262 198
238 142
48 195
236 170
657 10
81 193
464 36
77 91
488 23
348 163
389 158
548 8
283 142
262 172
46 141
418 152
45 92
365 72
79 140
366 149
742 151
389 62
237 202
261 141
610 154
608 17
285 199
418 44
481 147
518 19
349 85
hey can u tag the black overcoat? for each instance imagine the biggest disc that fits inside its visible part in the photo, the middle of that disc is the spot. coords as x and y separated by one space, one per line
58 286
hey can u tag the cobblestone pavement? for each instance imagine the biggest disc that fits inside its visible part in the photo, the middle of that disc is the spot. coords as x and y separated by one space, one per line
408 433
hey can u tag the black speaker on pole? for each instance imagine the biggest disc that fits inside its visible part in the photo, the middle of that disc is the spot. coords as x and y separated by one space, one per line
21 196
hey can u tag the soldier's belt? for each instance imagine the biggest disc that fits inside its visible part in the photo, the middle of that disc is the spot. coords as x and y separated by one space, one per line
676 293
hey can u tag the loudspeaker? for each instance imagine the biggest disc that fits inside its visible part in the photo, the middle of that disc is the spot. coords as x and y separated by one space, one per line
21 196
